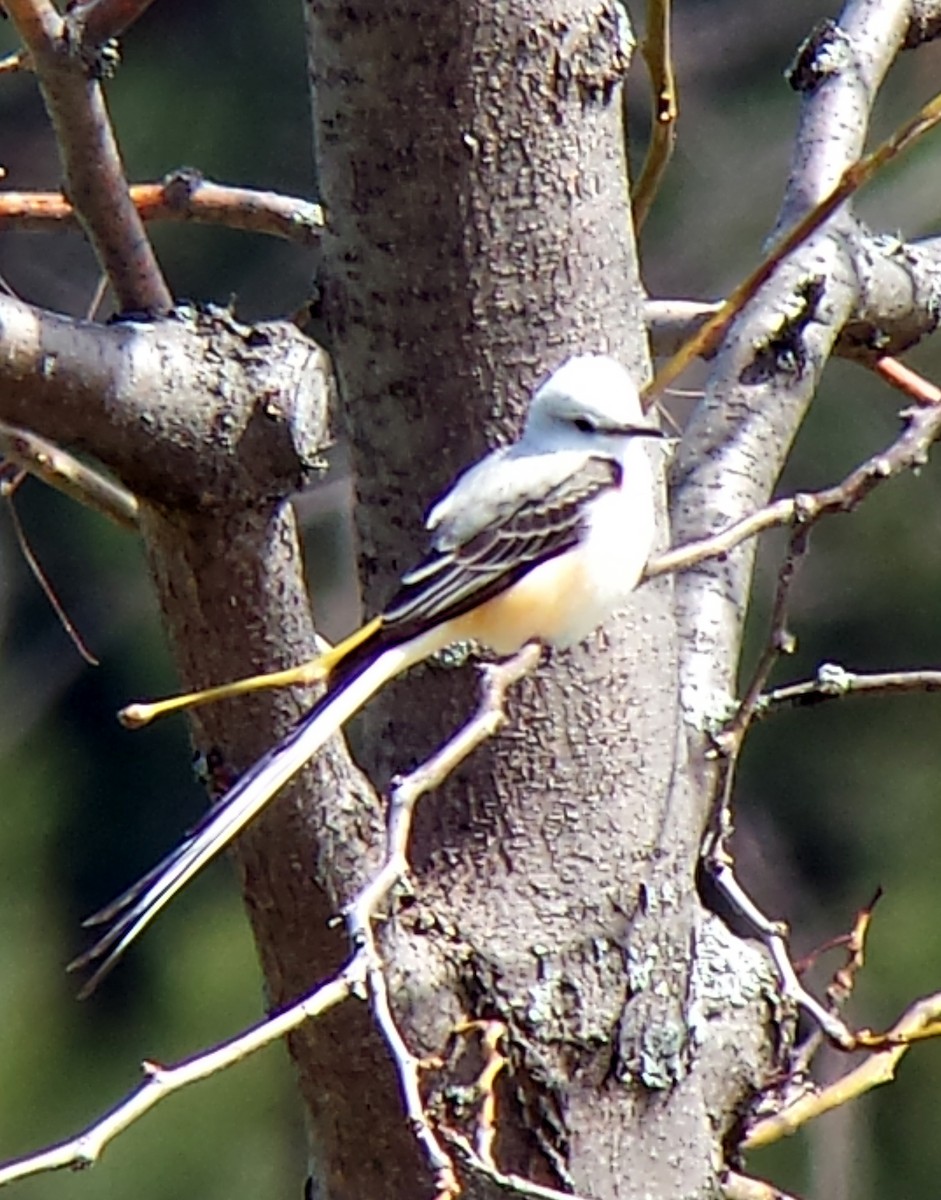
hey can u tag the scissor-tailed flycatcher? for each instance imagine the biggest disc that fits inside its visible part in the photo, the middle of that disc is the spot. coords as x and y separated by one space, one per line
539 541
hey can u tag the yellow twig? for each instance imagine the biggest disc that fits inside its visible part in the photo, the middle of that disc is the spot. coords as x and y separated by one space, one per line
705 340
659 59
920 1021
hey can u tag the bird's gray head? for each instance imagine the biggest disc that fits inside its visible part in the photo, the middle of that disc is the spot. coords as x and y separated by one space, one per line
590 403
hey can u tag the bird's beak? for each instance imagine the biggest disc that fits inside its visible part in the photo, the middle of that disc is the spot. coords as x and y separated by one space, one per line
650 431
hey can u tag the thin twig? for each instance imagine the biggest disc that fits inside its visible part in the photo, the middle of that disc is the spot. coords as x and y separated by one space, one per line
514 1185
710 333
91 161
406 791
909 450
736 1186
911 382
842 984
183 195
497 679
160 1082
670 322
773 935
920 1021
779 641
39 575
68 475
362 976
97 298
491 1033
833 682
659 59
716 857
407 1065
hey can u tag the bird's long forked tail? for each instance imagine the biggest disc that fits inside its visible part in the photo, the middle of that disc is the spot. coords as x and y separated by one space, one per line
134 909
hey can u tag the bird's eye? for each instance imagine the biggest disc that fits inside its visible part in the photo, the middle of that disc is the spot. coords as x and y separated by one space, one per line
584 425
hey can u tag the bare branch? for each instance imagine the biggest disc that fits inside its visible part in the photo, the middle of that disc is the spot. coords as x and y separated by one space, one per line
407 1065
130 390
37 572
766 372
160 1082
68 475
773 934
362 975
182 195
670 322
492 1033
920 1021
92 165
406 792
908 451
513 1185
716 858
497 678
833 683
658 56
896 305
913 384
841 985
736 1186
779 641
706 338
93 22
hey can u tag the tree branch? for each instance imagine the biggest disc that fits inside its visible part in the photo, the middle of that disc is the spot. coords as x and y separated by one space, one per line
920 1021
68 475
362 975
183 195
765 374
94 174
736 1186
198 410
897 305
86 1148
658 55
93 22
713 329
834 683
908 451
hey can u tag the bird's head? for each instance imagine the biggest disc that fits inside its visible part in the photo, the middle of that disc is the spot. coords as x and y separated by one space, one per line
590 403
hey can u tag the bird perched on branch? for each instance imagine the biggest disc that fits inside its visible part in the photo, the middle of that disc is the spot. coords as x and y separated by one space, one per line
539 541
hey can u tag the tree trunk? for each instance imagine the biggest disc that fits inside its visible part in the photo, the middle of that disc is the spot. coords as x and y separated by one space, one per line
471 158
472 164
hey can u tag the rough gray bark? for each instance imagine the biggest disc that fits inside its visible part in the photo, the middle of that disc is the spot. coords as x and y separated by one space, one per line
737 443
479 233
471 157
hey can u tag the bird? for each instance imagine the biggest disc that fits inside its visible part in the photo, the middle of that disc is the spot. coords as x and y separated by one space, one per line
540 541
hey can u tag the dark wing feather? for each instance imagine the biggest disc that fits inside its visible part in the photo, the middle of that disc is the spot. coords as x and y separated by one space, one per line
461 573
453 579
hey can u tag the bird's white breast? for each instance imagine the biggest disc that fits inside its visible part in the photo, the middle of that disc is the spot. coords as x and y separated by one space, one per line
616 548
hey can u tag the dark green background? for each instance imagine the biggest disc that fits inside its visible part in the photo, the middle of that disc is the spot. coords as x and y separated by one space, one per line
832 802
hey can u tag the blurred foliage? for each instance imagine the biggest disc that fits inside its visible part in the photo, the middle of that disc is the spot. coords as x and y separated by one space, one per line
831 801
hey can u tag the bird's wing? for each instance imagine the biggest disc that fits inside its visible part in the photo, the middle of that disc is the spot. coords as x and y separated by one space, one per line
489 532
